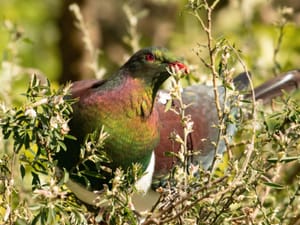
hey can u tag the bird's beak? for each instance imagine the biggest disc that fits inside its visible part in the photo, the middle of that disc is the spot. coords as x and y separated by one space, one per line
179 66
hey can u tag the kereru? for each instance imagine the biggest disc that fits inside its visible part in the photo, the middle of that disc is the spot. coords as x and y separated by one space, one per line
137 122
124 105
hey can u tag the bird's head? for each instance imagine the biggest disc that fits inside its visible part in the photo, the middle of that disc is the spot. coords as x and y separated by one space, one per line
150 65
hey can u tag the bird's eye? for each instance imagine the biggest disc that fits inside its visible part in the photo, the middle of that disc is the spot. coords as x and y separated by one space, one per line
149 57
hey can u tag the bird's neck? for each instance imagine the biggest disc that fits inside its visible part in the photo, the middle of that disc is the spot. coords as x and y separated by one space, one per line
136 124
136 97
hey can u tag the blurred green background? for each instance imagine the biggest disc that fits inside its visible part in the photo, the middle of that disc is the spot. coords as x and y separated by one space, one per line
40 36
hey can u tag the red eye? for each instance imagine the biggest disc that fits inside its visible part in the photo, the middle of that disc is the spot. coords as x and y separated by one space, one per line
149 57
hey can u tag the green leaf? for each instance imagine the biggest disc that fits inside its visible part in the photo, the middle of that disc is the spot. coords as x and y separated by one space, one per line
170 154
51 216
22 170
274 185
21 222
62 145
284 159
70 137
28 40
168 105
35 179
36 219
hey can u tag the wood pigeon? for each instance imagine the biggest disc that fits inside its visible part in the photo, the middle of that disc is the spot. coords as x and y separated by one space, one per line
132 110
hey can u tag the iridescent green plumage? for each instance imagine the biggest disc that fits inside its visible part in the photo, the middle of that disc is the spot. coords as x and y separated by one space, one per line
122 104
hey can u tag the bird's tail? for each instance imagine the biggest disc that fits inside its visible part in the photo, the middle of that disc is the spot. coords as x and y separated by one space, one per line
287 81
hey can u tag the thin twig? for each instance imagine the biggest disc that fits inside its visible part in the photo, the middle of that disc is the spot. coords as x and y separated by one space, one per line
87 41
188 197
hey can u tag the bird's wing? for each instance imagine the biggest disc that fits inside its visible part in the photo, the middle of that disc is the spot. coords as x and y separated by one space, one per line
204 115
80 87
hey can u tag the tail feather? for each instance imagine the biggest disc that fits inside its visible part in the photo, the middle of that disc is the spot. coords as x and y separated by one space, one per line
287 81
